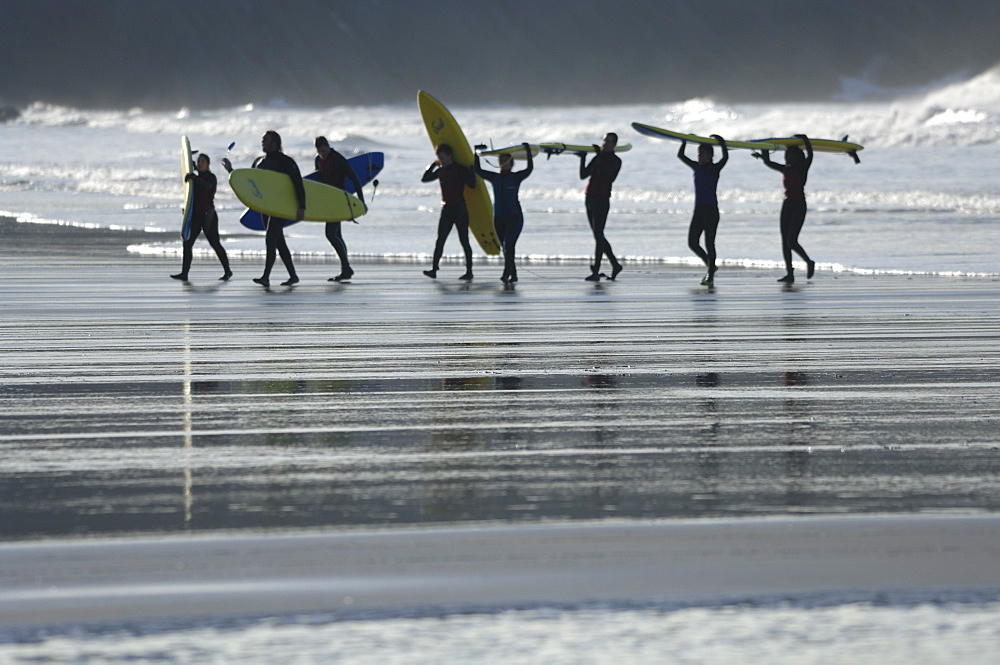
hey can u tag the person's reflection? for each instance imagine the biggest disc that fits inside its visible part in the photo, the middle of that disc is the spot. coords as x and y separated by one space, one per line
797 458
709 406
709 462
600 381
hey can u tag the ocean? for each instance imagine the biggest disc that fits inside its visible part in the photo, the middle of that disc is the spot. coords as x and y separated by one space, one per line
923 200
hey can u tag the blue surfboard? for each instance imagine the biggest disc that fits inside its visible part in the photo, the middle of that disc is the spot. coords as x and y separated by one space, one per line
366 166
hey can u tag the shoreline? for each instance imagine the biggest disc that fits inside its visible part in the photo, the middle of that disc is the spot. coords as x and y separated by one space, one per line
122 242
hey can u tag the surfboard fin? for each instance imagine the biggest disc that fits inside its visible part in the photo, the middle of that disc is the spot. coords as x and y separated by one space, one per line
549 151
854 155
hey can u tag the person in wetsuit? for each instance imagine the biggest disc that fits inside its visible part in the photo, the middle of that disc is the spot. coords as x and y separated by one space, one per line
275 160
508 219
454 178
204 218
334 170
602 171
705 219
794 172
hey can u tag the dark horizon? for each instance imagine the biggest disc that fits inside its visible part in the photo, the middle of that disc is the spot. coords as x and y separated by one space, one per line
123 54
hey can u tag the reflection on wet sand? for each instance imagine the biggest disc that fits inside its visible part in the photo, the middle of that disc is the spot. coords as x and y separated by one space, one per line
394 403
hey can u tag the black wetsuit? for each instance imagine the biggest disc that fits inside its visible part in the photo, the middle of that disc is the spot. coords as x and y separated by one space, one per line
793 208
705 219
508 219
204 219
335 171
602 171
275 236
454 178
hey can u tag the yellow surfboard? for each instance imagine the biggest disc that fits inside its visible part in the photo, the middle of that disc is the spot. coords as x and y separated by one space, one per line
442 128
186 167
658 133
818 145
272 193
516 150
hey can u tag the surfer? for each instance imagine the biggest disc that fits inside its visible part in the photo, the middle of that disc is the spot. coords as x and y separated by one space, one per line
275 160
508 219
334 170
204 218
793 209
705 219
454 178
602 171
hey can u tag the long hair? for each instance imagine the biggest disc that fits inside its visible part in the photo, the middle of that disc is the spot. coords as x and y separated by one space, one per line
277 137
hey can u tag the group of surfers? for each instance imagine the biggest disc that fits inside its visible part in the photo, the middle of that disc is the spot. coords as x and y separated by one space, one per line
508 218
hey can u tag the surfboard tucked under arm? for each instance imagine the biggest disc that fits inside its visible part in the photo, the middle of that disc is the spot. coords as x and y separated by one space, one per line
366 166
186 168
272 193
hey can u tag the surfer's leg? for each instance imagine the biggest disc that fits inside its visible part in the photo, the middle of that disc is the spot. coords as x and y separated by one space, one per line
188 250
602 208
462 226
336 238
711 223
212 234
270 246
787 215
695 230
597 217
797 221
445 222
510 246
286 255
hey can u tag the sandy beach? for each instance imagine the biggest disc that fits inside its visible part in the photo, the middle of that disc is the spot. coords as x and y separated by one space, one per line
217 449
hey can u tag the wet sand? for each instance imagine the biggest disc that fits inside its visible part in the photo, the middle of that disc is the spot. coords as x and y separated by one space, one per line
198 422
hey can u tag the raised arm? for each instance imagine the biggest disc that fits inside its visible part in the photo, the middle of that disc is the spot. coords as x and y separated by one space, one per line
809 149
684 158
765 155
431 173
725 152
477 167
531 161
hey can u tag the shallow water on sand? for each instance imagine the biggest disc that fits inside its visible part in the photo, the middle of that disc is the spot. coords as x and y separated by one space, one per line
159 407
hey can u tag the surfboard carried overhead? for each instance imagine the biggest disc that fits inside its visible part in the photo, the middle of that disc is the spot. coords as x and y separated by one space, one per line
272 193
366 166
186 167
442 128
559 148
659 133
516 150
818 145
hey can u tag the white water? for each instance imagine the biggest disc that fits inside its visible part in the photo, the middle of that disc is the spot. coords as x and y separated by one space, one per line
909 633
925 198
